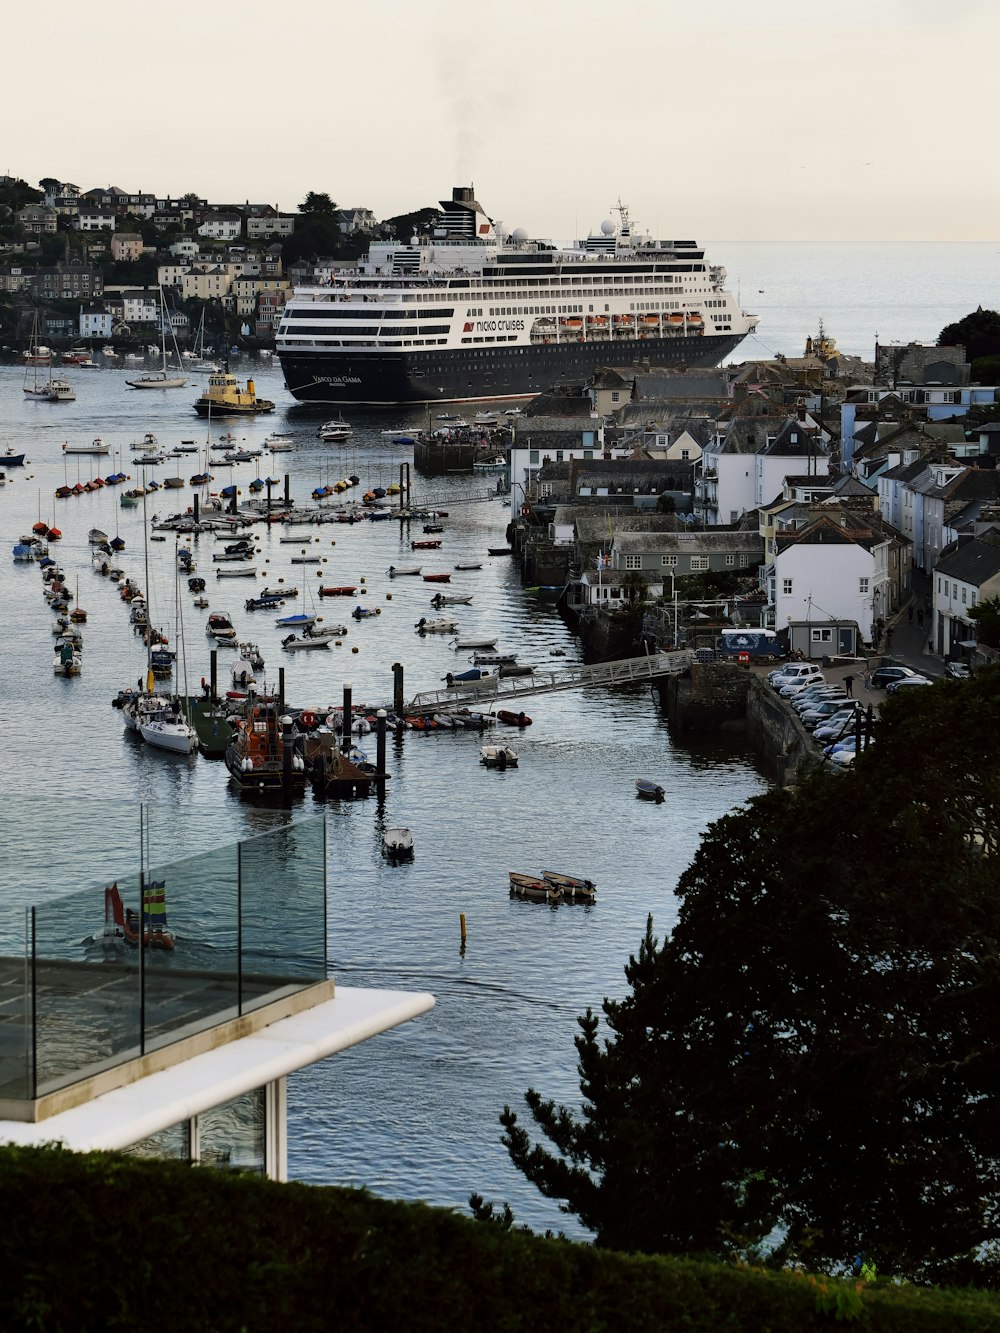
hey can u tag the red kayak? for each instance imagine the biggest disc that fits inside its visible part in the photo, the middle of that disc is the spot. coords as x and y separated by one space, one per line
338 592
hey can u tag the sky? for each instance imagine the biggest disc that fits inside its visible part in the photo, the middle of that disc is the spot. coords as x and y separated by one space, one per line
746 120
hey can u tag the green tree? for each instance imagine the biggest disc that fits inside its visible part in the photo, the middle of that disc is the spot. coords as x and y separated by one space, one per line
978 333
986 614
808 1064
317 203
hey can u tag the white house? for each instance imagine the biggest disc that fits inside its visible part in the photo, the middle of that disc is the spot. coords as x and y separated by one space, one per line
745 463
96 323
92 218
830 571
966 574
140 307
221 227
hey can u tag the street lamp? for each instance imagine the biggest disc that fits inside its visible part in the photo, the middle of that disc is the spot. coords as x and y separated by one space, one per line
673 598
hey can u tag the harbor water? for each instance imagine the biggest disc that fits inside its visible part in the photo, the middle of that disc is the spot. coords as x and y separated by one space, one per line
412 1114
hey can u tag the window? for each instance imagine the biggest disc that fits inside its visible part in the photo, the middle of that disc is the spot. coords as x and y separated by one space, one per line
972 598
633 562
668 561
963 596
786 587
863 587
730 560
533 456
822 636
699 562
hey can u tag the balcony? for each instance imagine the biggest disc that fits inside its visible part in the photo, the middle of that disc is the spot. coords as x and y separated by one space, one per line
235 940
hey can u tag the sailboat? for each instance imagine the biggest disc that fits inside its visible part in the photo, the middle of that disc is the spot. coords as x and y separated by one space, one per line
122 923
43 388
161 380
168 728
199 362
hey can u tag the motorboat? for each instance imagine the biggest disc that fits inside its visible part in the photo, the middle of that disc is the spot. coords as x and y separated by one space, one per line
279 444
220 626
476 565
397 844
512 719
648 790
498 756
237 572
400 571
347 590
472 644
451 599
298 621
96 446
438 626
311 637
257 757
437 578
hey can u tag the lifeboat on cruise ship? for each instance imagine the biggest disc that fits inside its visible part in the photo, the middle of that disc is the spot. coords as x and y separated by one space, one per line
623 321
651 321
694 320
598 321
572 322
676 319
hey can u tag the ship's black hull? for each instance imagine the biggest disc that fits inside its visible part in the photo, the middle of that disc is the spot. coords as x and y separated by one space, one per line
341 377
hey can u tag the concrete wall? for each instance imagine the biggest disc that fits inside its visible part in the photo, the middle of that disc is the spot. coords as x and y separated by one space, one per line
722 697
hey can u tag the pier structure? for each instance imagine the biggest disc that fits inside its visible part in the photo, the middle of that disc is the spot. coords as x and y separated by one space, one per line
499 688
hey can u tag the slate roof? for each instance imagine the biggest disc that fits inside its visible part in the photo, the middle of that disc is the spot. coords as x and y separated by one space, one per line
698 542
970 561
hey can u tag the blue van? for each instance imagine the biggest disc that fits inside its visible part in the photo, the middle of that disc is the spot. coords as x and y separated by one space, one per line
762 645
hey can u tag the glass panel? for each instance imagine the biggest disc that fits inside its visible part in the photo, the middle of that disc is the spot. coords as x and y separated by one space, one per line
171 1144
86 984
15 1014
231 1136
191 962
283 896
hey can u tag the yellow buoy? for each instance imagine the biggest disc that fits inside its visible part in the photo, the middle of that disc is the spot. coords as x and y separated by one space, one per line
388 597
354 649
362 579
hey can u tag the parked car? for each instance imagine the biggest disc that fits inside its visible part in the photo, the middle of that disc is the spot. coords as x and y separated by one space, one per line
812 717
786 688
834 726
802 701
956 670
794 671
885 675
905 682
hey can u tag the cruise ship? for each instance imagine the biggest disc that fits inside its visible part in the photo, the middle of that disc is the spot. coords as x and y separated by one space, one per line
474 312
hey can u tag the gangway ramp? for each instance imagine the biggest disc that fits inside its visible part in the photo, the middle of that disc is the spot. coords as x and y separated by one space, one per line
497 689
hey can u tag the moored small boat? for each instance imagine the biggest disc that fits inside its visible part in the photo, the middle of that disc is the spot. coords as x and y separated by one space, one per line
397 844
511 718
533 887
573 887
648 790
437 578
498 756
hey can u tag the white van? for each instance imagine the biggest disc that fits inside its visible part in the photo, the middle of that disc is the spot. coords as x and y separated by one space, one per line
795 673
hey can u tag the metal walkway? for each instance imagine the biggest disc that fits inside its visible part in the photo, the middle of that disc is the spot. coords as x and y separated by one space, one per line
497 689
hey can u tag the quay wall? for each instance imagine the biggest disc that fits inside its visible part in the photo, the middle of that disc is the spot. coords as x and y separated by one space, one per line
721 697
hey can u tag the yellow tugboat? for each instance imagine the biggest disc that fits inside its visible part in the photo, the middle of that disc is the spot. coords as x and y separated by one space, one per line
225 398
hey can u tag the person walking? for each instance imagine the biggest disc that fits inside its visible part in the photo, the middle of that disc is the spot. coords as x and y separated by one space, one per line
920 617
867 679
849 686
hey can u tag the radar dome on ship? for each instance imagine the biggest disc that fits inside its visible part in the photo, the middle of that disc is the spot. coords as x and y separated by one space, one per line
607 227
520 234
